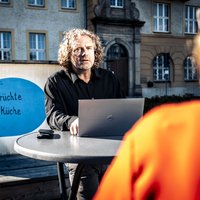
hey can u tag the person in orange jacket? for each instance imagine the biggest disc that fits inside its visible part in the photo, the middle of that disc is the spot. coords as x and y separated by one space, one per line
159 158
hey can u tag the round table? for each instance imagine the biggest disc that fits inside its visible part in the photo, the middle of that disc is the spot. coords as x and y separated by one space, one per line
66 148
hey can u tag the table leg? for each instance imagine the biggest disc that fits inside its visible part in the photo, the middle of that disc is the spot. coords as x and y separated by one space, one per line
76 181
61 179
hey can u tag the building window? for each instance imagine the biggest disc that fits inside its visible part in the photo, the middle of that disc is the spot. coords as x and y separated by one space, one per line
190 20
37 46
190 70
161 17
68 4
116 3
5 46
39 3
4 1
116 51
161 67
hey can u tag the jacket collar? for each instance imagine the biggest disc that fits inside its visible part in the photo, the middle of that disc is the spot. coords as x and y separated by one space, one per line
73 76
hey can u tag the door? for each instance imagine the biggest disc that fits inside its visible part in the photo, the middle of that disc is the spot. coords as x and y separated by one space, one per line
118 63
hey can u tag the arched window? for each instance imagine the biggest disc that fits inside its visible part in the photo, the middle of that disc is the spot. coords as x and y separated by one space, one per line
116 51
161 67
190 70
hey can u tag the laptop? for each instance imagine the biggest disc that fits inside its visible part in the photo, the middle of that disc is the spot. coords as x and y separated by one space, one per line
108 117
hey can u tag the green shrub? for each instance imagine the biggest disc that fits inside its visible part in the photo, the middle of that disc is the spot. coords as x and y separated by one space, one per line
158 100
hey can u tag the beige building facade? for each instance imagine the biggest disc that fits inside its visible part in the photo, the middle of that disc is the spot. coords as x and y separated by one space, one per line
148 44
138 36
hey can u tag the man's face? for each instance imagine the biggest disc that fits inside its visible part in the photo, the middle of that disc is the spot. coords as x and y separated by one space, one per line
83 56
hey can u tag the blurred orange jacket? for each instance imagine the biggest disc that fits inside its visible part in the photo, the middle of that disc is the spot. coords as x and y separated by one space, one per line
159 158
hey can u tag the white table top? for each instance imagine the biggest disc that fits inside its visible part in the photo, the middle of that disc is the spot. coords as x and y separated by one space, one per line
68 148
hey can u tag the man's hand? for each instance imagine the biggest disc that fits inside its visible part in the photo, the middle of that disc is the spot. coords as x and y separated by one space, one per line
74 128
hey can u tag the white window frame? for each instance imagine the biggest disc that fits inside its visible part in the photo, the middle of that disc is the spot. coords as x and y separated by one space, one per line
190 20
161 72
161 17
38 3
5 50
68 4
116 3
190 70
39 49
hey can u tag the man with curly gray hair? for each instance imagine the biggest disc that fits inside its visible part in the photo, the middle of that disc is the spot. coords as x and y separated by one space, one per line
80 54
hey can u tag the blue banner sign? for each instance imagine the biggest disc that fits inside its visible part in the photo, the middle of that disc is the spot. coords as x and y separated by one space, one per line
21 106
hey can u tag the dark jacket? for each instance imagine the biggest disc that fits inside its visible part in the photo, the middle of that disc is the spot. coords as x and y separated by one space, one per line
63 90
